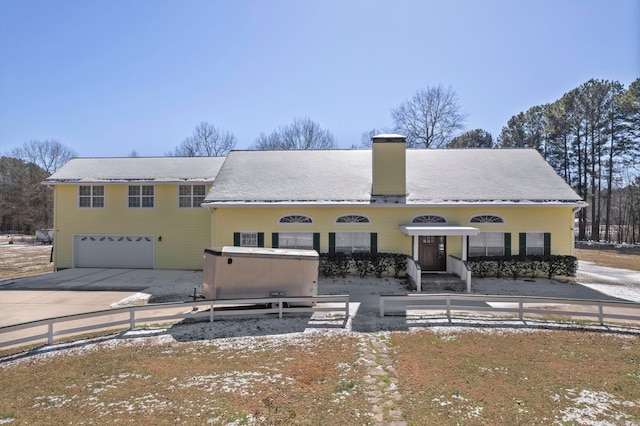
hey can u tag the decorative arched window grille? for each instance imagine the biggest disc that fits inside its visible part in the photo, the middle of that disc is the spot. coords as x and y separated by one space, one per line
295 218
352 218
486 218
429 218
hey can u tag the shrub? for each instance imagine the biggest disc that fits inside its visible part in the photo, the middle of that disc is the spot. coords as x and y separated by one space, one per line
362 264
515 266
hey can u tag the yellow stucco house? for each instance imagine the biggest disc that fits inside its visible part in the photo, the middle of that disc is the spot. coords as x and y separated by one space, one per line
433 205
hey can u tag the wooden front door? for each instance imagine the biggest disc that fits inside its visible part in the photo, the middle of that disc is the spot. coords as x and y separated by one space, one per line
432 253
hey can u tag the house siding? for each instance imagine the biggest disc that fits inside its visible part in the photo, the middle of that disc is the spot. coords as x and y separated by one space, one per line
185 232
385 221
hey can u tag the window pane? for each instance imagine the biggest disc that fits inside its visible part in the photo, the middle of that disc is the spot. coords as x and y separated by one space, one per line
249 239
134 202
147 190
495 251
295 240
85 202
535 251
98 191
185 201
85 190
98 201
197 201
147 201
352 218
199 190
351 242
185 190
477 251
134 190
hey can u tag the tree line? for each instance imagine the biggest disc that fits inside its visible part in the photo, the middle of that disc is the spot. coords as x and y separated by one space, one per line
590 136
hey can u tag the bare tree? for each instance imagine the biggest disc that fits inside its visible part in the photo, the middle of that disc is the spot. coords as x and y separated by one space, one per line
430 118
365 138
49 154
206 141
303 133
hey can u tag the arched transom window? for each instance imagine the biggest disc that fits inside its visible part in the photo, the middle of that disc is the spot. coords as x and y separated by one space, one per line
352 218
486 218
295 218
429 218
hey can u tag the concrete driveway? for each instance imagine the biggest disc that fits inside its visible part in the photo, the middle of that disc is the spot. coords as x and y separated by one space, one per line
73 291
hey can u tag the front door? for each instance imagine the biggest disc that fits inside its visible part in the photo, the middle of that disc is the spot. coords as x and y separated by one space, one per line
432 253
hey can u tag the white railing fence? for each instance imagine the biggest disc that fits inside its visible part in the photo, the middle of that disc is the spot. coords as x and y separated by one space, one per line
460 268
131 316
414 271
519 305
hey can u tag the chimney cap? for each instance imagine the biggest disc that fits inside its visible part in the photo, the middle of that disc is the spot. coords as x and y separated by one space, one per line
388 137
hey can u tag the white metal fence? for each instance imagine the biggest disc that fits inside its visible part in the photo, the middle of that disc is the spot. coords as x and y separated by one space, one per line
602 311
131 316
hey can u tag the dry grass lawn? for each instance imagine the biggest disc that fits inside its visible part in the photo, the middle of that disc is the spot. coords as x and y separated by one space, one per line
463 377
538 377
190 383
610 258
24 260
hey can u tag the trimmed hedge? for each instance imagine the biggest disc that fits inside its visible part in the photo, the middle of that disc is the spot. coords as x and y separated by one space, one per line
363 264
516 266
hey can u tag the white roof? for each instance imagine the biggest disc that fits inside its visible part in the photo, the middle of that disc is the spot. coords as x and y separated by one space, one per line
138 169
434 177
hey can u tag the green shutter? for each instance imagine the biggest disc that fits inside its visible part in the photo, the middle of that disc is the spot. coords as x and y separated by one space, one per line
260 239
236 239
374 242
547 244
507 244
316 241
274 240
523 244
332 242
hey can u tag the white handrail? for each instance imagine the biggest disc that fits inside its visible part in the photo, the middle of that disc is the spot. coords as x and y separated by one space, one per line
481 303
129 315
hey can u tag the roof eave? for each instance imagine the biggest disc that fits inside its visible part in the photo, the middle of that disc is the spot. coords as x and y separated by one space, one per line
368 203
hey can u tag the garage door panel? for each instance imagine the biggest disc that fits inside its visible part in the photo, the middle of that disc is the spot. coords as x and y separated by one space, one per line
113 251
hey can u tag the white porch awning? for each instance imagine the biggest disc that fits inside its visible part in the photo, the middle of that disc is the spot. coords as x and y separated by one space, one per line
435 230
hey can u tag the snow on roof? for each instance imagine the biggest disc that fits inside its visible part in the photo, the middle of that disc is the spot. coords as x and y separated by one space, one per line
145 169
446 176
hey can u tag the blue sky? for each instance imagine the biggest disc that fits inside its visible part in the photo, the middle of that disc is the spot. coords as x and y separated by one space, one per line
108 77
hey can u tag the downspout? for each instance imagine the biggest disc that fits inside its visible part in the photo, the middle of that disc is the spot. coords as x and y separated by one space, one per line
212 225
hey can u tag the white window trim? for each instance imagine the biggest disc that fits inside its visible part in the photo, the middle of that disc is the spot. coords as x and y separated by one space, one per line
104 197
141 206
429 214
352 223
191 196
294 224
504 222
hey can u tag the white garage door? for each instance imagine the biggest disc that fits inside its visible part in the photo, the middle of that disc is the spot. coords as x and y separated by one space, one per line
113 251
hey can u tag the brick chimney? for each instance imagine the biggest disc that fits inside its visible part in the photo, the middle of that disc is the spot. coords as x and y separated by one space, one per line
389 164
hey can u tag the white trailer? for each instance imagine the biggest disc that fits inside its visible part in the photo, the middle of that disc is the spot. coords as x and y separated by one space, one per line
252 272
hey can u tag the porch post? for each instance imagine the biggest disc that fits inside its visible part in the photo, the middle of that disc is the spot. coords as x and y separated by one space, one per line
464 247
416 248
